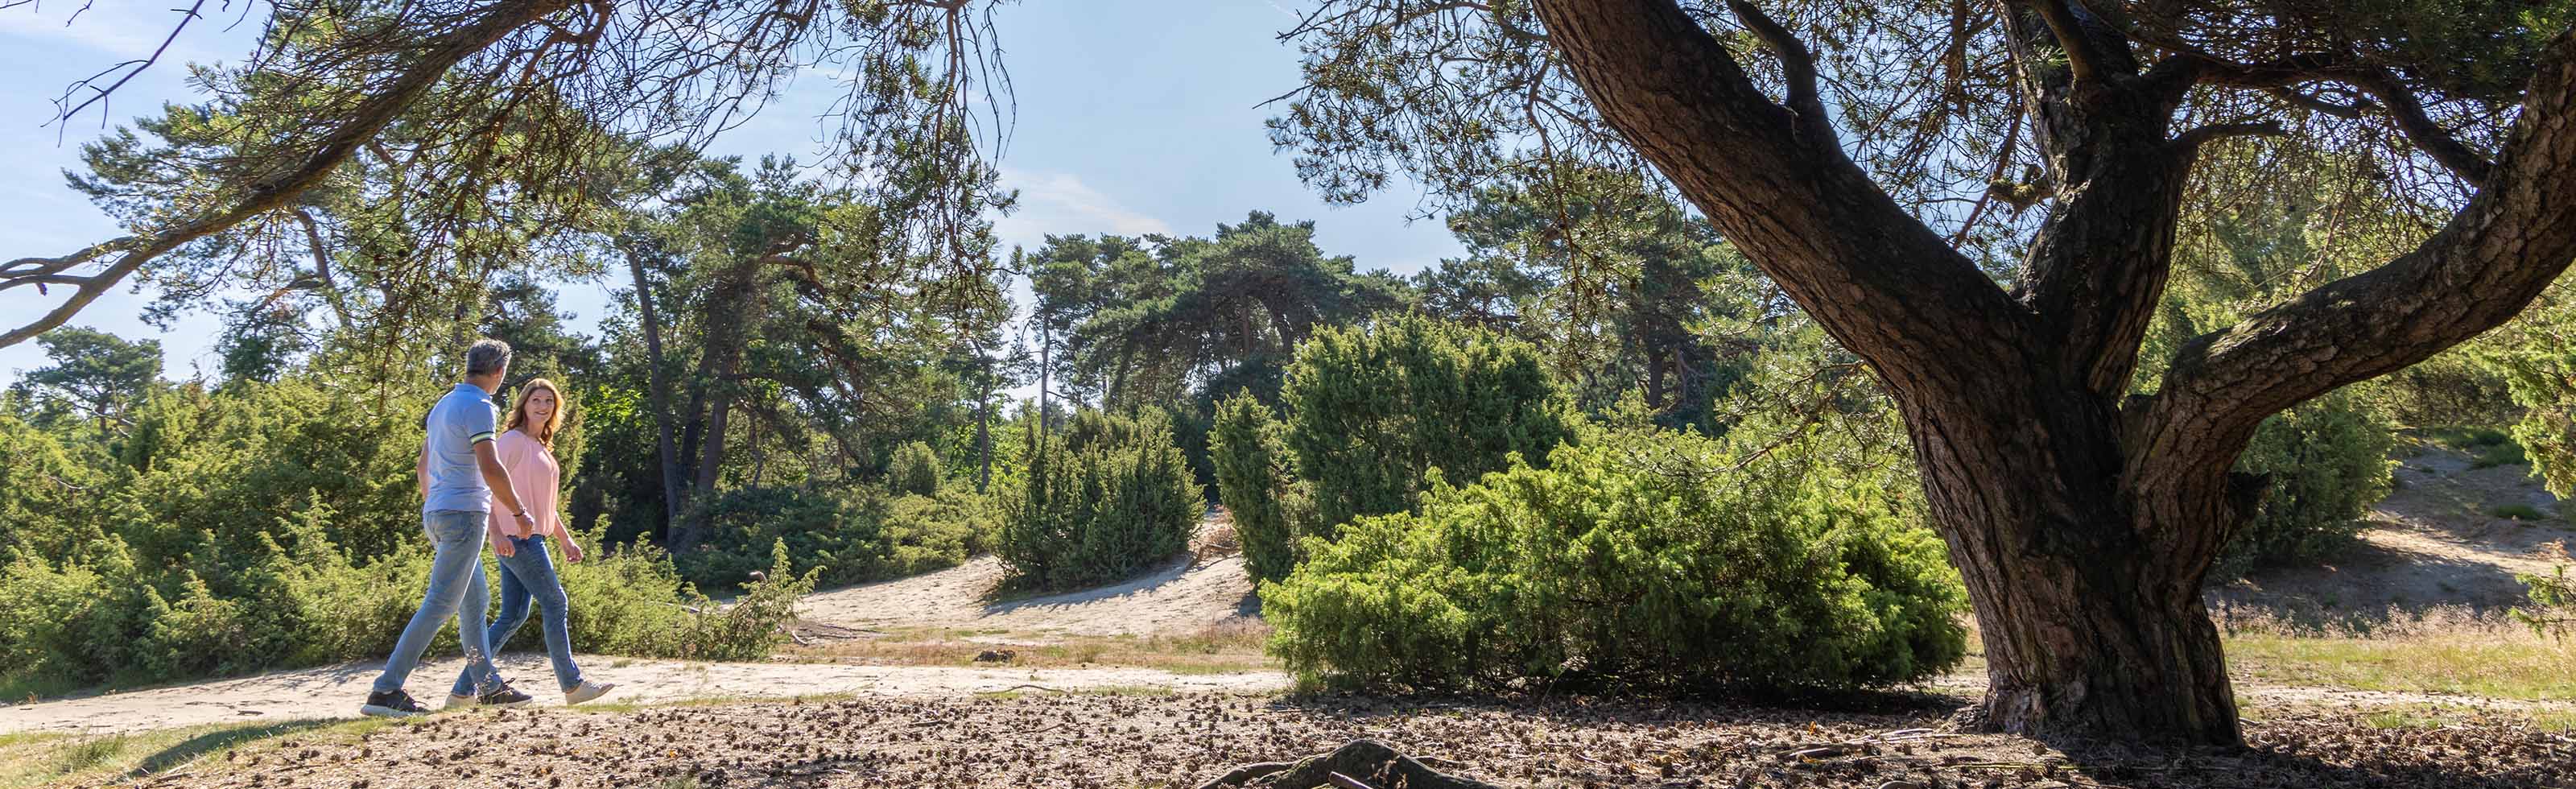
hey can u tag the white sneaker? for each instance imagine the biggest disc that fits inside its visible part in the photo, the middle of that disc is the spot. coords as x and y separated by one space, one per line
586 691
456 702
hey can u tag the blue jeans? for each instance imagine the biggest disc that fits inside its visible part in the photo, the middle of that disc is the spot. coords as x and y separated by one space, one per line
529 574
455 588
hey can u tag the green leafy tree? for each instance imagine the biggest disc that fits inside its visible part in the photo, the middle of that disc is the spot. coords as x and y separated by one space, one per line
1887 181
1160 320
1606 275
94 375
1372 410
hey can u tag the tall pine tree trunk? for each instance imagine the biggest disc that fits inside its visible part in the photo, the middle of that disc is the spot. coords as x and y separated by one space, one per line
660 398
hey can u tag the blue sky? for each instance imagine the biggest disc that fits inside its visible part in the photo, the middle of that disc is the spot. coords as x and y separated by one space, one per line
1134 117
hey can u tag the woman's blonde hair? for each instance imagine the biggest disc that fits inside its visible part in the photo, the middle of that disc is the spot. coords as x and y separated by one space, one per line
544 433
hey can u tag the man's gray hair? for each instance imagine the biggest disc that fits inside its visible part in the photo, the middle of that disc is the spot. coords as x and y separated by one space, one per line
487 356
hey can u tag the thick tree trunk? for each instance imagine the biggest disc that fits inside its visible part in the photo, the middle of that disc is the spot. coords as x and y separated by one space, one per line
2084 561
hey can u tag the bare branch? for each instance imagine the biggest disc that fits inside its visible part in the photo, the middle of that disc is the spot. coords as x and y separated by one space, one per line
2189 142
64 109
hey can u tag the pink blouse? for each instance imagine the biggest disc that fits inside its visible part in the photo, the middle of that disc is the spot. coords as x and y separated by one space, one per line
535 477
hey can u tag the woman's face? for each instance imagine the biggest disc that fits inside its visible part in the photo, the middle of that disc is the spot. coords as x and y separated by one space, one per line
541 405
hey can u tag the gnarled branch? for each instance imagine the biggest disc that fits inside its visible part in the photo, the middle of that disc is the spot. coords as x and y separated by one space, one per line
363 122
2514 238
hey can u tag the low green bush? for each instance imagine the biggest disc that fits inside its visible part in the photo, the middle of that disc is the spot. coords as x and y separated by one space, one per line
2553 603
2326 462
1370 411
915 470
1643 559
1108 499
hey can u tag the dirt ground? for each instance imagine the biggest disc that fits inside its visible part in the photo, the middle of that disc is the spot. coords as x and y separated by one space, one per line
336 691
1053 740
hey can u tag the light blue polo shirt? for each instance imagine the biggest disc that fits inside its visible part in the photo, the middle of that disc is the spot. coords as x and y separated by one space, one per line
463 418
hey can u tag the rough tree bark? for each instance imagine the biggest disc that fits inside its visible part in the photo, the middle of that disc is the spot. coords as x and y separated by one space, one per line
2082 519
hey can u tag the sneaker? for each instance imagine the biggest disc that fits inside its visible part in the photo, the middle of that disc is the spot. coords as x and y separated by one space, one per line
391 704
501 695
586 691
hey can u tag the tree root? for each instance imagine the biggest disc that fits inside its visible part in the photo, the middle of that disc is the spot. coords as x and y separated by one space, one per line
1368 763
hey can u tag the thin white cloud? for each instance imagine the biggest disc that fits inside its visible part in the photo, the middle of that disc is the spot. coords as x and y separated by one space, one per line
1061 204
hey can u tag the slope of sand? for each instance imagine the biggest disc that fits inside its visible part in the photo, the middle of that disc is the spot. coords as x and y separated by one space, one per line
2434 542
1182 596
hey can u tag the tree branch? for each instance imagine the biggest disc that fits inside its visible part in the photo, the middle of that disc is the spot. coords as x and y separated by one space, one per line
2404 110
1797 67
2419 128
361 126
1874 276
2189 142
2082 58
2513 239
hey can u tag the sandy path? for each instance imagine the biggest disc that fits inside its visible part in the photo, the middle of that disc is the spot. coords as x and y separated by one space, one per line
335 691
1179 598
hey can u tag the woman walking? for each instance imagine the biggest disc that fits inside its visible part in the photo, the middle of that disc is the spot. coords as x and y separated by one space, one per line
528 572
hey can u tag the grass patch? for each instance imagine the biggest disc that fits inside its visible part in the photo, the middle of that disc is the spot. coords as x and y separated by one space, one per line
2488 447
31 759
2520 512
2490 657
1216 649
2436 716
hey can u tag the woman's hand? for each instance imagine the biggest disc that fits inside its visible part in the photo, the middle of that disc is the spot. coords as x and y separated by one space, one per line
571 550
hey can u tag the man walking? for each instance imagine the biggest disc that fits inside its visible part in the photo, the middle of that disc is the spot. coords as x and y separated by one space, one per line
460 475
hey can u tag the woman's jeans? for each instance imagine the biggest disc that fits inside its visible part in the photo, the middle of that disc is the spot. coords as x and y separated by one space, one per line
528 574
455 589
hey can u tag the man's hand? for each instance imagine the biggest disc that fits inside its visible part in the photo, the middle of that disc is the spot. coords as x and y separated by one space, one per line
501 545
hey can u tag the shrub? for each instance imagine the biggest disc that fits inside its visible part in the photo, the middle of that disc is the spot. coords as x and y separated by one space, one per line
2553 603
1371 411
1108 499
1705 569
915 470
1254 481
2326 463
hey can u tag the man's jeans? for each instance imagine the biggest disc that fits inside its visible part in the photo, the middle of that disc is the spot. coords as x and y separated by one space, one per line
526 574
455 588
